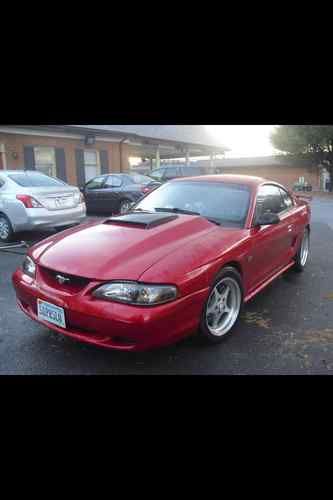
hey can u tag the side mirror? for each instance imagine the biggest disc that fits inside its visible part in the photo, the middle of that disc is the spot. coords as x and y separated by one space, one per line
81 188
267 219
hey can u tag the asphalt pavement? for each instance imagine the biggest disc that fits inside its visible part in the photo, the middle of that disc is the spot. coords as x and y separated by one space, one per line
287 329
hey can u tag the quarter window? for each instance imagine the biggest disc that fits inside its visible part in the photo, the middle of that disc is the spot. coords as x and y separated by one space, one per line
45 161
92 166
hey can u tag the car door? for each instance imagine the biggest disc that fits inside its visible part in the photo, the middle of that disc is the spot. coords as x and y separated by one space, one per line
111 194
270 249
291 216
93 192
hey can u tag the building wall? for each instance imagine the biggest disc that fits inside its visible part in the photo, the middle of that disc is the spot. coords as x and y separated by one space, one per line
15 143
285 175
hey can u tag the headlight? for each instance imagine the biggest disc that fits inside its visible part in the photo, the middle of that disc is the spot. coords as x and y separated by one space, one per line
136 293
29 267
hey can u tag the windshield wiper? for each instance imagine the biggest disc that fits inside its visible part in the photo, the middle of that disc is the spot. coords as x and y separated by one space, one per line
186 212
176 211
213 221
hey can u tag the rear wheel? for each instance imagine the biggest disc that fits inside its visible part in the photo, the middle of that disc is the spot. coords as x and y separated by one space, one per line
125 206
223 306
302 255
6 230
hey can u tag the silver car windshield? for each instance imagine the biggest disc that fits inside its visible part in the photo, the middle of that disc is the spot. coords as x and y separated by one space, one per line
35 180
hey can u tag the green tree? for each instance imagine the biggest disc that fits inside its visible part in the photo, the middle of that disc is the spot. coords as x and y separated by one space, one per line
308 143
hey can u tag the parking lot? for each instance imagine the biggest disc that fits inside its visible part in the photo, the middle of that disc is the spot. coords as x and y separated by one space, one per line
287 329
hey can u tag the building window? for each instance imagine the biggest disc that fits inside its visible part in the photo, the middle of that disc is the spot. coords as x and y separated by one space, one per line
45 161
92 165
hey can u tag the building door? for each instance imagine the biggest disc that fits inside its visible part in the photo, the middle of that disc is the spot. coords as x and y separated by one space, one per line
91 164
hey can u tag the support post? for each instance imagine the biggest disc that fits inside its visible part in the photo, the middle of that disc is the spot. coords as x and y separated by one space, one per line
212 160
158 158
187 162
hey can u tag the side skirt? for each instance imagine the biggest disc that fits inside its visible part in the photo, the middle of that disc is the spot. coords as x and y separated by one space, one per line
266 283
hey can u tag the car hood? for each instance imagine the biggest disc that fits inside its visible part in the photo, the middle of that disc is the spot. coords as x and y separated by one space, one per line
104 251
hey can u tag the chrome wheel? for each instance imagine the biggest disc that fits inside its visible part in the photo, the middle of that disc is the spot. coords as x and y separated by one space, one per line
223 306
125 207
4 229
304 253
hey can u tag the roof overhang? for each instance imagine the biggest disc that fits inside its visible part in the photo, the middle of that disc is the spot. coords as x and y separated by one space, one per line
140 145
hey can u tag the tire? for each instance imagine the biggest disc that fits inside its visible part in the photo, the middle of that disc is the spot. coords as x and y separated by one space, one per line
303 253
124 206
229 278
6 229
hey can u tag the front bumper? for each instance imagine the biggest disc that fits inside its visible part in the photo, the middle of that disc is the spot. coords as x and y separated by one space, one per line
41 218
113 325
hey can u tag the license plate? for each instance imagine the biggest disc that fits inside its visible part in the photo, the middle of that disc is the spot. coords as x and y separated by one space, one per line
51 313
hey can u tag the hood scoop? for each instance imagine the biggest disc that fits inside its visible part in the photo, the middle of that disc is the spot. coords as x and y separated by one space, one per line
141 219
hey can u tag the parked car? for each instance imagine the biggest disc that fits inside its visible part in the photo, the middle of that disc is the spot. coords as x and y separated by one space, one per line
31 200
116 193
169 172
183 261
302 187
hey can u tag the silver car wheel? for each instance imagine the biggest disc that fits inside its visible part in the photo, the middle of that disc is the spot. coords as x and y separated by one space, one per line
4 229
304 254
223 307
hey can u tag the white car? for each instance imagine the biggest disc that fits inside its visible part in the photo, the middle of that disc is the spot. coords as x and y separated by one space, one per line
30 200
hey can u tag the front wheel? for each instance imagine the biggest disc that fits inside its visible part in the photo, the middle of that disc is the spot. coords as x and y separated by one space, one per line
6 230
302 255
223 306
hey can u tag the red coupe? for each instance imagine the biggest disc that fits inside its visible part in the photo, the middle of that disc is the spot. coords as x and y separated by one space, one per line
183 261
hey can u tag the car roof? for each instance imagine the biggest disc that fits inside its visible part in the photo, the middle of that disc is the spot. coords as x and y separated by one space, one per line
8 172
248 180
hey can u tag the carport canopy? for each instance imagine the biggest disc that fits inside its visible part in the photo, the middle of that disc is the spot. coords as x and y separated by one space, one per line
156 141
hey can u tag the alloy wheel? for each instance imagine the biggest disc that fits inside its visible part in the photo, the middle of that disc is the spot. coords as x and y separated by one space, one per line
4 229
223 306
304 249
125 207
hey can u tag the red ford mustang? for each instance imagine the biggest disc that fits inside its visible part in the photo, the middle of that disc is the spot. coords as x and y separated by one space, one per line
183 261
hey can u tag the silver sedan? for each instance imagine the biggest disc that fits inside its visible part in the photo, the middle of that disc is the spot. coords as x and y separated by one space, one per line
30 200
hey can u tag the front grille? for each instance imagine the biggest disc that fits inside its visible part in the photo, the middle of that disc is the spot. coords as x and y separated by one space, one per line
74 285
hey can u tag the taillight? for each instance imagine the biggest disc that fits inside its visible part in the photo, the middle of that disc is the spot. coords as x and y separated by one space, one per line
28 201
145 190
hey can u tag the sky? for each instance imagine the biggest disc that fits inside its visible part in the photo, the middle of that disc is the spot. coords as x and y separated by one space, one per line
244 140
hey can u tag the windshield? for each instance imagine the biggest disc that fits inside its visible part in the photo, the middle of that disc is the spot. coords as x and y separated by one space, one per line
226 203
35 180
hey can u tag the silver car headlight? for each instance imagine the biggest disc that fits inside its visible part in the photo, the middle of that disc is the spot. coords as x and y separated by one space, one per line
29 267
136 293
